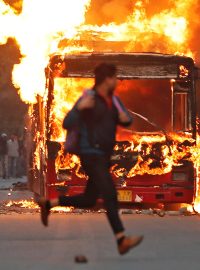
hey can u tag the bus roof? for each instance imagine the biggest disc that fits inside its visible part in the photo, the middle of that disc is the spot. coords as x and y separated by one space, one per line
130 65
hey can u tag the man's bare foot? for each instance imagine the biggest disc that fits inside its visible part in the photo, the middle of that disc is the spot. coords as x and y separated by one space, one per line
44 211
128 243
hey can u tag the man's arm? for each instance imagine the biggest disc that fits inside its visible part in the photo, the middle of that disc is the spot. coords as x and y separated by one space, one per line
124 117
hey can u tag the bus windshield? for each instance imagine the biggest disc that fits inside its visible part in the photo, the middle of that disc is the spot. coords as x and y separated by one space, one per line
150 98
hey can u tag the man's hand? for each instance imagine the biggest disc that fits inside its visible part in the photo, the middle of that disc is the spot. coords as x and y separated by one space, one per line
123 117
87 102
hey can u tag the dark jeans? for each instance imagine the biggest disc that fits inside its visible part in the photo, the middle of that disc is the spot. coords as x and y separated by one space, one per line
12 166
3 163
100 184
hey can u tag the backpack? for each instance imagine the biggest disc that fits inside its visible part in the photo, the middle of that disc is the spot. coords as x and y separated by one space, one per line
72 142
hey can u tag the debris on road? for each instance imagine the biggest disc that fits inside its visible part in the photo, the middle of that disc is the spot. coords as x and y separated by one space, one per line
81 259
20 186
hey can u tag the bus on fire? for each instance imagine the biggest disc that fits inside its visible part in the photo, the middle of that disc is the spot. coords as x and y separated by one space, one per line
152 161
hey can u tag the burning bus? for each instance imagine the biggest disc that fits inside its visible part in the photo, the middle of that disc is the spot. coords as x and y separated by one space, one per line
152 160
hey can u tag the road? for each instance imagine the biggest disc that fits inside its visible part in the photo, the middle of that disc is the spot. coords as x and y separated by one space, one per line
172 242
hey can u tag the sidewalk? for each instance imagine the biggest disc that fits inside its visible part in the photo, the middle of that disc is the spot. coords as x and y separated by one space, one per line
11 182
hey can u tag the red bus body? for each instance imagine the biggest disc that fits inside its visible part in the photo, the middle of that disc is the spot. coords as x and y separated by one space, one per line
177 186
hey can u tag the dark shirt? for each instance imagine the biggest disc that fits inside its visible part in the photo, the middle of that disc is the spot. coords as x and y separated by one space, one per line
97 125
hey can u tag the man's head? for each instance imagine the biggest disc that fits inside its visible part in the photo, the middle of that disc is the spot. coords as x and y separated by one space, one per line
13 137
106 75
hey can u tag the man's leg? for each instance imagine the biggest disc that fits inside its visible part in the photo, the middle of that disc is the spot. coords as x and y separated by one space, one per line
1 166
4 166
99 171
85 200
15 159
10 166
100 182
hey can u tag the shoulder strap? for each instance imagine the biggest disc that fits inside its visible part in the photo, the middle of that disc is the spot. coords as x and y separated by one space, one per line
117 103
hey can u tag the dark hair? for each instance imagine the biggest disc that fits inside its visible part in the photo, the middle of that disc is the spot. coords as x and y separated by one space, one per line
104 71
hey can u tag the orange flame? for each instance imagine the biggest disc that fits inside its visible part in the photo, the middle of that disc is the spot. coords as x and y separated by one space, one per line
42 25
37 30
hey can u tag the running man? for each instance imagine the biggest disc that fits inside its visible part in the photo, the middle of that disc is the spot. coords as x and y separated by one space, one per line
96 116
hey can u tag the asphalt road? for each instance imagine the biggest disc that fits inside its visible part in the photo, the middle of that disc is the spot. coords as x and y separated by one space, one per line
172 242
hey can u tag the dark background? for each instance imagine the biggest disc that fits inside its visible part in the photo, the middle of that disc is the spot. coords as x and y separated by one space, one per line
12 109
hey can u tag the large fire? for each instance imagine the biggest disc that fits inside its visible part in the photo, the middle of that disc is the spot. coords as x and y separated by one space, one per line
37 31
44 27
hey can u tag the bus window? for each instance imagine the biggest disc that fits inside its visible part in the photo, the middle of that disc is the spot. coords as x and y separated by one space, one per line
150 98
181 107
180 112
